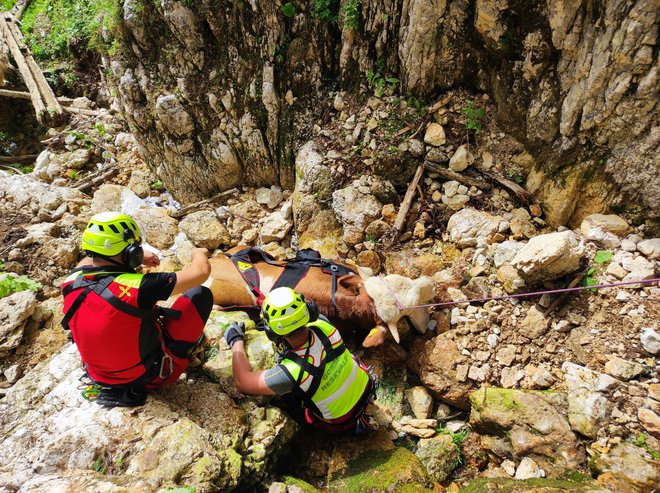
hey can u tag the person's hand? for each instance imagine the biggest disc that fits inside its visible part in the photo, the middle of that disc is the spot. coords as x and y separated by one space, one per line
199 252
234 333
150 259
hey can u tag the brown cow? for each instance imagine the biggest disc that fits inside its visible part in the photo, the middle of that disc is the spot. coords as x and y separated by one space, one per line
354 306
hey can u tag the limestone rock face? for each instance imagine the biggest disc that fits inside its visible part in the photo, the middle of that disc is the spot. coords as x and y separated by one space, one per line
209 112
193 435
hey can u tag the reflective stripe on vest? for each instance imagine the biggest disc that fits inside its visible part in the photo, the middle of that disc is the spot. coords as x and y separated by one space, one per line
343 382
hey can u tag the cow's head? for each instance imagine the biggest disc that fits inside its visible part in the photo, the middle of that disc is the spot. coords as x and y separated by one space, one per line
386 291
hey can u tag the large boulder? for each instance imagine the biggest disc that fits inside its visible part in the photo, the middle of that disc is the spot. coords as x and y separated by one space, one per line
548 257
588 403
440 456
204 230
191 435
434 361
530 424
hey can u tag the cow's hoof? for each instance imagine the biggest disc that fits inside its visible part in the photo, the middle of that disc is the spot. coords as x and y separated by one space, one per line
376 337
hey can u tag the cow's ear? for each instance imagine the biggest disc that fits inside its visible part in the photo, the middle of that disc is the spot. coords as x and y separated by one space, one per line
351 283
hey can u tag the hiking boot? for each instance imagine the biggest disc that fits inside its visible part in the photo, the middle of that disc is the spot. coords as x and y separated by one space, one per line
121 396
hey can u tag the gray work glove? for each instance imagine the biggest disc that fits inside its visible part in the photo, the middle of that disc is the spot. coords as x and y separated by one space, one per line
235 332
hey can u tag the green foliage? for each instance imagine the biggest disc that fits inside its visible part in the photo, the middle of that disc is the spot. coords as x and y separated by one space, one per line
2 266
326 10
72 174
517 177
288 9
157 184
474 116
7 4
351 14
51 25
98 465
641 440
603 257
188 3
184 489
457 438
11 284
377 82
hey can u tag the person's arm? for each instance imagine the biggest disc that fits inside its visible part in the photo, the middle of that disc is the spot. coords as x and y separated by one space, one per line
246 380
195 273
150 259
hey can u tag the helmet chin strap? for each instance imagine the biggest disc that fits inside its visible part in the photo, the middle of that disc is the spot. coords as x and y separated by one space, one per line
112 261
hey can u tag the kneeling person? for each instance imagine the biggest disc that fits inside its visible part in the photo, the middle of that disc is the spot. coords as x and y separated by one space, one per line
128 343
314 364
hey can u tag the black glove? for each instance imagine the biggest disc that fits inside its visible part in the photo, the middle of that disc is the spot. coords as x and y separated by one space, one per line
235 332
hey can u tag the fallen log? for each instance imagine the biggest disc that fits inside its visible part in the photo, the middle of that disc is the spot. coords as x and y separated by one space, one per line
26 158
202 203
19 8
97 178
407 202
525 196
453 175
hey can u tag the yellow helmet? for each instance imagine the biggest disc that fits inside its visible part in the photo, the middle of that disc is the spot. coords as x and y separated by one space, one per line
109 233
285 311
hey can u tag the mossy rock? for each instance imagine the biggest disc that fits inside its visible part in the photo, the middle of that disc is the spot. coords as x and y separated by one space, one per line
576 484
396 470
303 485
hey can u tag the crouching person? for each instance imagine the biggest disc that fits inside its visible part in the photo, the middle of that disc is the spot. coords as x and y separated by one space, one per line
314 365
128 343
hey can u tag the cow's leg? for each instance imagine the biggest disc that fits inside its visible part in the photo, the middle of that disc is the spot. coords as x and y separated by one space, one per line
376 337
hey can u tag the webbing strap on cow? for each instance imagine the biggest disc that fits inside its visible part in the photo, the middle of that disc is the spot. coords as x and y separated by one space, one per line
294 270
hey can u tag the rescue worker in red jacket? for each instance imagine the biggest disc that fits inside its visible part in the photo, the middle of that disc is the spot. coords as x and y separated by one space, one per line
128 343
314 365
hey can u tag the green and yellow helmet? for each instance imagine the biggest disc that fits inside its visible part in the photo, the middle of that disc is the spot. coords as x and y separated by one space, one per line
285 311
109 233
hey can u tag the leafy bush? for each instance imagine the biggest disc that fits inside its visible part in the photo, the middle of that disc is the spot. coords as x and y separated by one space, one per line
11 284
474 116
351 14
378 83
326 10
50 25
288 9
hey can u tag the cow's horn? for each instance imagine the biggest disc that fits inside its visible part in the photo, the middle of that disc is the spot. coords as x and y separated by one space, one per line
395 331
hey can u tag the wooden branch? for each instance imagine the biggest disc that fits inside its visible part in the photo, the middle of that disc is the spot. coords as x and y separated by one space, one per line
560 299
19 8
453 175
525 196
26 158
80 111
407 202
97 178
198 205
63 100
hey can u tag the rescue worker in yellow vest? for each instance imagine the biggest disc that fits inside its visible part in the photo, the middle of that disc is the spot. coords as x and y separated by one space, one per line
334 386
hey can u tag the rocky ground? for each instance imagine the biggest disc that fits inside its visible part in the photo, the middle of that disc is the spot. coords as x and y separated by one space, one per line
563 388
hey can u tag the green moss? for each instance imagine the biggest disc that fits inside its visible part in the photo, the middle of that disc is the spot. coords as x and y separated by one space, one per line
493 397
7 4
579 484
304 486
381 470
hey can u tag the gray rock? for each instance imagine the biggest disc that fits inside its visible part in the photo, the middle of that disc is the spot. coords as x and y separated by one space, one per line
435 135
140 182
461 159
549 256
639 269
270 197
15 309
623 369
204 230
13 373
650 248
625 460
356 208
528 469
416 148
421 402
439 456
650 339
275 227
534 325
588 392
468 226
610 223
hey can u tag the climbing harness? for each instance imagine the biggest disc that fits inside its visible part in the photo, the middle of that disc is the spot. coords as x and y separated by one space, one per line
294 270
